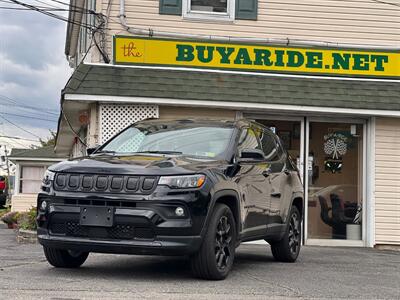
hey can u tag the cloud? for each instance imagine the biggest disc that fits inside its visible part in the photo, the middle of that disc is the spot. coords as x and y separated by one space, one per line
33 70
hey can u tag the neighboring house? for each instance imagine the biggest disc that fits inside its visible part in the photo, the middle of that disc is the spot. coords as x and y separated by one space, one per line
31 165
323 74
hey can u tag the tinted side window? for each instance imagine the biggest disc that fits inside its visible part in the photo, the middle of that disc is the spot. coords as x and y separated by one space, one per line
248 140
271 147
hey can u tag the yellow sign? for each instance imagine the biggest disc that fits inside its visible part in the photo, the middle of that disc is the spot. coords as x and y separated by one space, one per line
261 58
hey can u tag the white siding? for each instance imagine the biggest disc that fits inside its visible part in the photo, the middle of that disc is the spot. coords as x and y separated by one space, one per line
387 194
23 202
342 21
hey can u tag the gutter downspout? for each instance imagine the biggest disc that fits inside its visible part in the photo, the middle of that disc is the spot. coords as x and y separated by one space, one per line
153 33
74 34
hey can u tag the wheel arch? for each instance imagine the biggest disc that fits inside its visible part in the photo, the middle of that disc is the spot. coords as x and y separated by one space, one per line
298 201
231 199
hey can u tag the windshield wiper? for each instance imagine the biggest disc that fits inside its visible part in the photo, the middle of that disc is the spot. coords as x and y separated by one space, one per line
159 152
104 152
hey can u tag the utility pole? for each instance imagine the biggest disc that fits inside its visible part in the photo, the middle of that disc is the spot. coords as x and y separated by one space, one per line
8 171
7 165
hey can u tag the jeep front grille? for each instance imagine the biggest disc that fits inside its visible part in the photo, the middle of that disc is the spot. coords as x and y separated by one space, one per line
105 183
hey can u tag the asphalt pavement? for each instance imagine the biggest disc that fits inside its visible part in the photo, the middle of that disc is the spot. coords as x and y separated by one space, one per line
319 273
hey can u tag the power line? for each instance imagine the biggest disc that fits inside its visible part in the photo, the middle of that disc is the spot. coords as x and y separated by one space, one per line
43 2
17 104
47 7
18 143
27 131
32 7
29 117
42 8
17 138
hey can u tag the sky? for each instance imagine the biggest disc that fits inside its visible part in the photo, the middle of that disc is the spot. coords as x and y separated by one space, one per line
33 70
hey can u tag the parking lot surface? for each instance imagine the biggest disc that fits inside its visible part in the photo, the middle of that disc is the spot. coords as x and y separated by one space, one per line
319 273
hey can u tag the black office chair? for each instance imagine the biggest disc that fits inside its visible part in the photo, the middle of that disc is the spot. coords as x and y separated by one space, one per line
325 211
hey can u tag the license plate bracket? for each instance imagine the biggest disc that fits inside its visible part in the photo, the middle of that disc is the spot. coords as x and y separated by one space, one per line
97 216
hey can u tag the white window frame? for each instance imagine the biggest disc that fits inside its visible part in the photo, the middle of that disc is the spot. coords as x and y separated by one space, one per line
22 179
188 13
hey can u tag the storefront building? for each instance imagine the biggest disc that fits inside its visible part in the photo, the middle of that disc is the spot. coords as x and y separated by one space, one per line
336 105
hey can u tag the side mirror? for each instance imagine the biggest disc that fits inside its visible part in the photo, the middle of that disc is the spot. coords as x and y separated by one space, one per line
251 155
91 150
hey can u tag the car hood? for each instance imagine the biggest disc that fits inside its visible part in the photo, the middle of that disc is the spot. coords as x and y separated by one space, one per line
137 164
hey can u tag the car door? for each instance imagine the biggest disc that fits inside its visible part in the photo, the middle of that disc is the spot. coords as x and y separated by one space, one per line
278 177
253 185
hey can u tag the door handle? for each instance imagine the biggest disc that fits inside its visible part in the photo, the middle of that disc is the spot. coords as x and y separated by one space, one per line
266 173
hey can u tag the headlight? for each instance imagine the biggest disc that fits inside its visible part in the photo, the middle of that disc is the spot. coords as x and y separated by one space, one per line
183 182
48 177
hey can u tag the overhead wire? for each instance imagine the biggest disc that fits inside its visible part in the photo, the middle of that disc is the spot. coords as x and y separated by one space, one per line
15 142
23 129
28 117
17 103
61 18
17 138
72 129
48 7
44 112
93 29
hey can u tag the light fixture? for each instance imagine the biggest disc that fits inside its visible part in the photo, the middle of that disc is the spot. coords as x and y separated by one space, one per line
179 211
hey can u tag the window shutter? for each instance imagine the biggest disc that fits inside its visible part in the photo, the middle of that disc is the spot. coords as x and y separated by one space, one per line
246 9
170 7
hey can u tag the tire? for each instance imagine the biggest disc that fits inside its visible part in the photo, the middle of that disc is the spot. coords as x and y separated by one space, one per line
288 248
64 258
217 252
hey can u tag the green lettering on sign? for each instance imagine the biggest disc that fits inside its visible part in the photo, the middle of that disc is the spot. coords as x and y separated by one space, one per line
379 61
185 53
295 59
225 53
279 58
314 60
201 53
263 57
242 57
361 62
341 61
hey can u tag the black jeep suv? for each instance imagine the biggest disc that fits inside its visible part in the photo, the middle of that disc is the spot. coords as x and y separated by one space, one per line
184 187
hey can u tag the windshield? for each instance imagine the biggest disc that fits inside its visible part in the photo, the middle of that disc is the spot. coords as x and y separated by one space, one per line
192 139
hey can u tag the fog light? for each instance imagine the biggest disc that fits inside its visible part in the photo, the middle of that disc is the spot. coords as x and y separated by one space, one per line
43 205
179 211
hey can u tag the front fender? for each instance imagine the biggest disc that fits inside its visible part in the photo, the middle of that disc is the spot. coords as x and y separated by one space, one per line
233 194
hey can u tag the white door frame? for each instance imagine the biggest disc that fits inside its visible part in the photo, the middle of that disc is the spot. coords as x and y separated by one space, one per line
336 242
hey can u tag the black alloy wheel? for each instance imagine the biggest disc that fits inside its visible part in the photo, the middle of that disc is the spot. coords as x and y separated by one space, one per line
288 248
294 234
223 238
215 257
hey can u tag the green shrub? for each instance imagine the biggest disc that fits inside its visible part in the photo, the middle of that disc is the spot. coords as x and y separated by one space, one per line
27 220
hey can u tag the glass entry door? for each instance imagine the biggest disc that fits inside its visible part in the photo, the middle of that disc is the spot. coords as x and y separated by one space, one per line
334 180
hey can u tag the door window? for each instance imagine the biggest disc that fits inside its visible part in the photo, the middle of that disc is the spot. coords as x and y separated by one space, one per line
271 147
248 140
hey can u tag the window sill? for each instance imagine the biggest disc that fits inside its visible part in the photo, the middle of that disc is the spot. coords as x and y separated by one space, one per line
208 18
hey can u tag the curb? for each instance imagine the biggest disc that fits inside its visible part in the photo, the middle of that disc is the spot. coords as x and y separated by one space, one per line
26 236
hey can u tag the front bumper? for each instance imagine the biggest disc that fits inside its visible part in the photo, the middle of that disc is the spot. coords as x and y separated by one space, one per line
163 245
148 229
